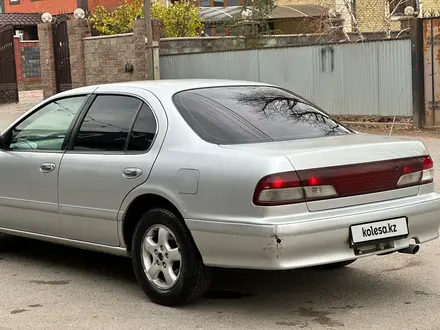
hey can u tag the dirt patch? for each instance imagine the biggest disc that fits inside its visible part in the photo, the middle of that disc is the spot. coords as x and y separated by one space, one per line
398 131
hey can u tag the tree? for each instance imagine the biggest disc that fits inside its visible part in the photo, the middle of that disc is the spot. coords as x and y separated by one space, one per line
179 19
253 25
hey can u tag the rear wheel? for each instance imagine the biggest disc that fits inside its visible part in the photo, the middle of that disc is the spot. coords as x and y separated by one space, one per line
166 261
2 239
336 265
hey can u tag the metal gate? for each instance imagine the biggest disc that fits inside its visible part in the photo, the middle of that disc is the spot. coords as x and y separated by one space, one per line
431 48
62 54
8 71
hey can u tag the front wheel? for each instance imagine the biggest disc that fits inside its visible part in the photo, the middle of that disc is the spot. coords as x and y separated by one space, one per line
336 265
166 261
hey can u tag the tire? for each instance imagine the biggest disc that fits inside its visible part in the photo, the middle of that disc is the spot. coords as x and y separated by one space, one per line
336 265
3 238
189 282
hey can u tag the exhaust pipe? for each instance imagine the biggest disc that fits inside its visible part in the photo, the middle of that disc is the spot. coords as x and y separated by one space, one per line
411 249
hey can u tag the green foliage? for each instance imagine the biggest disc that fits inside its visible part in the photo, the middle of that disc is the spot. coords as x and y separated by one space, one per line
119 20
180 19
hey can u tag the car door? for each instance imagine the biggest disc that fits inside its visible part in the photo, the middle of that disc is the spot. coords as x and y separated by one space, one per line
29 164
112 152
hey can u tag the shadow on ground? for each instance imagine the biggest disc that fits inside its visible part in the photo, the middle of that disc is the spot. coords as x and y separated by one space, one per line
309 295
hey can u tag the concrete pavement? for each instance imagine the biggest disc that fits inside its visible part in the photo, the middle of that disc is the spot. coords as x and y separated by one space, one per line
45 286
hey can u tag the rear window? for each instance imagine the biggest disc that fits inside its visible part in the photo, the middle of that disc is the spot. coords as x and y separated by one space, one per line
252 114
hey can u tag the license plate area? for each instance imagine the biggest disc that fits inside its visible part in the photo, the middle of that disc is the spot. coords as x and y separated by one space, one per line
377 233
371 248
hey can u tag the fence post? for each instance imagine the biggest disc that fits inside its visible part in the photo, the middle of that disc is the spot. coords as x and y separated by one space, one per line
418 79
140 61
47 60
155 24
77 30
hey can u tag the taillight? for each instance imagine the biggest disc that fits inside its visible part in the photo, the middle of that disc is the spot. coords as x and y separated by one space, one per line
428 170
415 175
343 181
287 188
279 189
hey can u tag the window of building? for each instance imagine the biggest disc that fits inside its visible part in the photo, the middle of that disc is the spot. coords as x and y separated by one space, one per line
222 3
220 30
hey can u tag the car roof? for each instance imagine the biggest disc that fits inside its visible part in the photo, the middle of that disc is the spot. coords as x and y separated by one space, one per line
183 84
168 85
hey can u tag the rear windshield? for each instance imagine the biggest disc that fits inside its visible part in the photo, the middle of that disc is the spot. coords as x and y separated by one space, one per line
252 114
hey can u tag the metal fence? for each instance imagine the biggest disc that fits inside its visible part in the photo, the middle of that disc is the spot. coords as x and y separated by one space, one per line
368 79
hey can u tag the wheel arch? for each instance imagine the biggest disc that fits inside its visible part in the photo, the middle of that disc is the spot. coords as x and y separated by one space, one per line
139 205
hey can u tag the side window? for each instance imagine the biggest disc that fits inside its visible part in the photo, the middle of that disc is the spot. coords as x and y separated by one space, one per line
144 130
107 124
46 129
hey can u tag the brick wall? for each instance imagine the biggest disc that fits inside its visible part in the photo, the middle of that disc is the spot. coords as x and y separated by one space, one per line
47 60
27 62
371 14
55 6
214 44
303 2
105 58
52 6
109 4
433 5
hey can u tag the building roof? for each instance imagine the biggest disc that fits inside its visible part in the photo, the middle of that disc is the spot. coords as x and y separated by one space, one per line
21 19
219 14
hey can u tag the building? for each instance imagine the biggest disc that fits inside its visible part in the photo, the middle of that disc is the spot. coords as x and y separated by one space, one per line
25 15
374 15
55 7
25 24
284 19
371 15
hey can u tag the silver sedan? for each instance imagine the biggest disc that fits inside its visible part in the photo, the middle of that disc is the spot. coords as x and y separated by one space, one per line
188 174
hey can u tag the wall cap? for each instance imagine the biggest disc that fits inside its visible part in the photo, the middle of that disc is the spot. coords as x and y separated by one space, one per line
110 36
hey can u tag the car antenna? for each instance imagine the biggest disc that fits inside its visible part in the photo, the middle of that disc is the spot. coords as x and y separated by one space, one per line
394 118
392 125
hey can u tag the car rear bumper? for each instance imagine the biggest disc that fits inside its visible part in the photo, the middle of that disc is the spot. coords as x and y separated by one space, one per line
322 240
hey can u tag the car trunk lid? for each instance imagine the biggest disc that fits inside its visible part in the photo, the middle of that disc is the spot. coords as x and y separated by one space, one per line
362 168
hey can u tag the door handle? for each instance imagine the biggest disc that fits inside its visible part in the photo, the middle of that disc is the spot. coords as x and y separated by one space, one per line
47 167
131 173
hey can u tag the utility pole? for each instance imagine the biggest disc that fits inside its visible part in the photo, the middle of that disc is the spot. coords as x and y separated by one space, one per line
147 14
